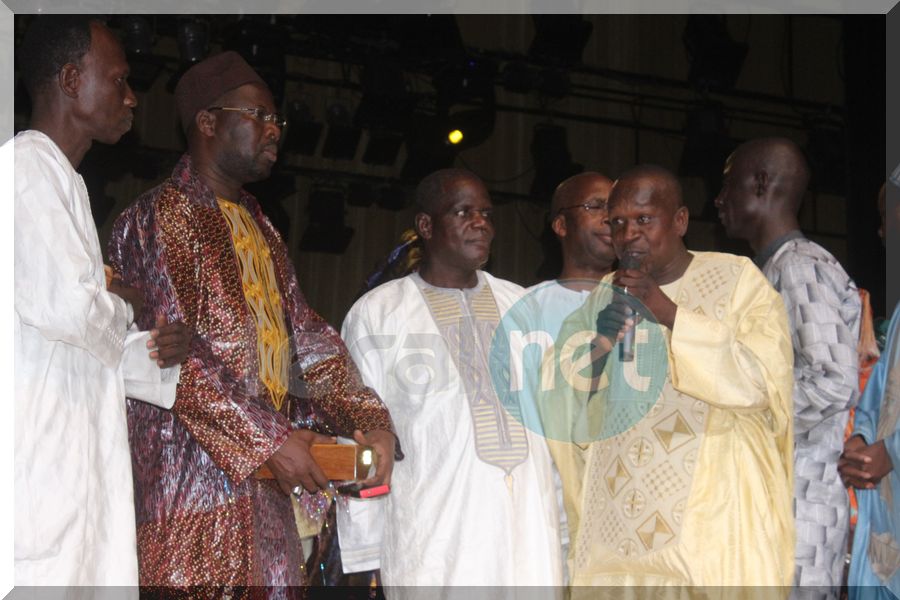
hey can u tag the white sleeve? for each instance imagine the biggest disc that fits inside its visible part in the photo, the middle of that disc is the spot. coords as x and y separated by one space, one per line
361 521
360 529
58 273
144 380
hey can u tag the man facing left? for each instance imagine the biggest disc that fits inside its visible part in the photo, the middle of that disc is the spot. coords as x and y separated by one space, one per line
75 358
265 371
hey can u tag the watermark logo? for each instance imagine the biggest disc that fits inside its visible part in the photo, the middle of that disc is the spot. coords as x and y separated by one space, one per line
551 367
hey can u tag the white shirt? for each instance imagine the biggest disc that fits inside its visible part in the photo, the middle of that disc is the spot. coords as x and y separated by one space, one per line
75 360
452 518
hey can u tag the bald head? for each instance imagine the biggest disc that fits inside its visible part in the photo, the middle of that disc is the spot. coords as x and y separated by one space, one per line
649 220
572 191
580 220
778 165
438 187
664 186
763 184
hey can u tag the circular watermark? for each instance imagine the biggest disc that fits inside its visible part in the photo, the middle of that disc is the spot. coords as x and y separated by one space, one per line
556 365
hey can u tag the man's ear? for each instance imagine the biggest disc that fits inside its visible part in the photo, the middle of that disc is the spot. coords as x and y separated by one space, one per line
682 216
69 79
205 122
423 225
558 225
762 183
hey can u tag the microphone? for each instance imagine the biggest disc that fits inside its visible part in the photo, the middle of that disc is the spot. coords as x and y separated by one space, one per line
626 348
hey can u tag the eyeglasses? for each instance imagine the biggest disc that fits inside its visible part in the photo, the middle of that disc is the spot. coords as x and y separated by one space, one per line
258 114
587 206
467 214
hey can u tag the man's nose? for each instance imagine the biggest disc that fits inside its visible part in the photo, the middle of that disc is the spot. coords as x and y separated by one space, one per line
273 131
130 98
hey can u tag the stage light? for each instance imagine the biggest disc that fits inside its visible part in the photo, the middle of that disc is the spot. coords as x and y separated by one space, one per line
193 40
469 128
137 36
427 150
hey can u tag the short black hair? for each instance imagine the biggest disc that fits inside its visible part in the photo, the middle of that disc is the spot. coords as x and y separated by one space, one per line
434 188
50 42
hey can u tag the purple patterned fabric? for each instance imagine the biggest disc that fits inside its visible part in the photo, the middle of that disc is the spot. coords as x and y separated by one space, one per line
203 518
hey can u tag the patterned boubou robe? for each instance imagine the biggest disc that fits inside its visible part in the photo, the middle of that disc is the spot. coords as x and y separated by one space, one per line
203 518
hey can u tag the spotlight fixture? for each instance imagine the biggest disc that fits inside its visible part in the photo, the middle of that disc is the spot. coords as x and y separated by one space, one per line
469 128
455 136
427 148
137 36
193 40
434 141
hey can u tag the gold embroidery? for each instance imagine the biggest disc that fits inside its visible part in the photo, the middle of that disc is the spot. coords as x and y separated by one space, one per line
263 298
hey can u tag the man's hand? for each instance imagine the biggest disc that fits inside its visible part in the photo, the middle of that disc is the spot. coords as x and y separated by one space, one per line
131 295
851 465
293 465
169 343
383 443
640 285
612 323
863 465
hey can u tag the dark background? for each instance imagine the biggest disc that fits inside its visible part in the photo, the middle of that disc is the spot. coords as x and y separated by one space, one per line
539 97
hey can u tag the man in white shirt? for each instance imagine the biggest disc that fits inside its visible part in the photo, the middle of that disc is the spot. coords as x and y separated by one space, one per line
473 502
74 354
580 220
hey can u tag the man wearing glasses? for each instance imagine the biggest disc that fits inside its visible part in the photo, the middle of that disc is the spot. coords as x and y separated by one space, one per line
580 221
214 476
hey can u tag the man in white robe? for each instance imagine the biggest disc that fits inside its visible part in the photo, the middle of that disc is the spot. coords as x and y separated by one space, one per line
74 356
473 502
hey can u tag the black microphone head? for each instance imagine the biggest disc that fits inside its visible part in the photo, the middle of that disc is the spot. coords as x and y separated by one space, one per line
630 261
